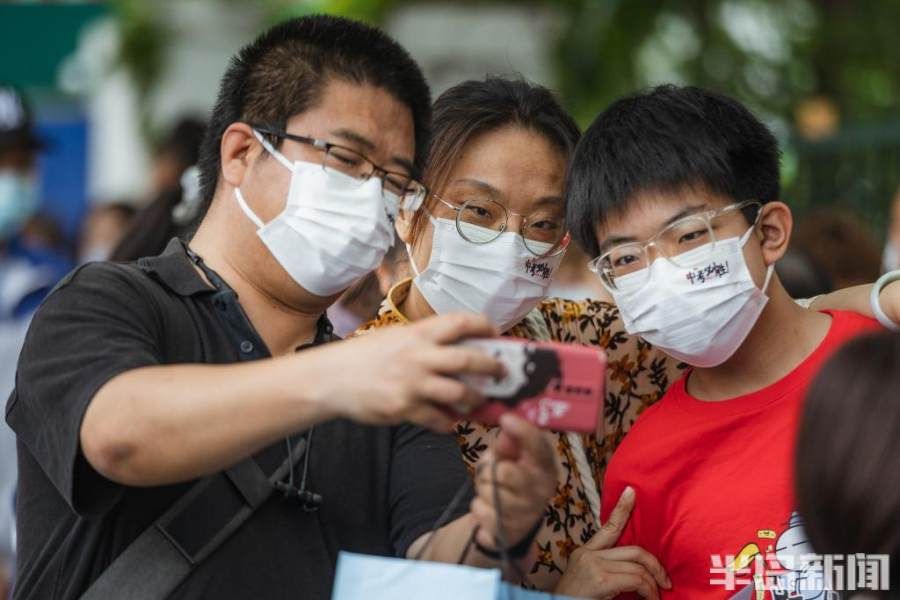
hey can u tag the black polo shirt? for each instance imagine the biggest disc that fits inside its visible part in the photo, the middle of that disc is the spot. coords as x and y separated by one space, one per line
382 487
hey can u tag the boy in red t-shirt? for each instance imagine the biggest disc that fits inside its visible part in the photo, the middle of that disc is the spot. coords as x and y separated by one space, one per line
677 192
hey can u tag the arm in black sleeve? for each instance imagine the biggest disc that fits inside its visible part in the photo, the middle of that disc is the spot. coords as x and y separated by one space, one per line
97 324
427 472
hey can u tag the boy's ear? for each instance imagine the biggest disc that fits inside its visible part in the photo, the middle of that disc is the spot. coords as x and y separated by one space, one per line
404 225
774 229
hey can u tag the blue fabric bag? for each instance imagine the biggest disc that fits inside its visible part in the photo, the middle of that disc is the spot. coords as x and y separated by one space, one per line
382 578
386 578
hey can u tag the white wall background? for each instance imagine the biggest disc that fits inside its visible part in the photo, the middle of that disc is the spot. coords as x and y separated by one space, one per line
452 43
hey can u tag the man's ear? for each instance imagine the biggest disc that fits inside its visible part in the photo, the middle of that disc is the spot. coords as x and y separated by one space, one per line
404 225
774 230
239 149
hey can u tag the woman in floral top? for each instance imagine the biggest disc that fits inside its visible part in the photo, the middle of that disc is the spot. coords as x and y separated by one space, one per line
497 163
507 143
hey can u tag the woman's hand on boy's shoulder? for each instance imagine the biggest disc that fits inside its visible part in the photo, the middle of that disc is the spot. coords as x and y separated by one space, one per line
890 301
858 299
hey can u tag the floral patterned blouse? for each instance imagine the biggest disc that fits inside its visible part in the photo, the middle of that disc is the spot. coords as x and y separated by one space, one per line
638 375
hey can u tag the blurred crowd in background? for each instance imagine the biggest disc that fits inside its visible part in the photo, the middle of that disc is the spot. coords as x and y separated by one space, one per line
115 95
102 108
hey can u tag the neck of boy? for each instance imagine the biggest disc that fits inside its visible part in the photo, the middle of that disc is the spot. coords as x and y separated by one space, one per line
415 307
784 335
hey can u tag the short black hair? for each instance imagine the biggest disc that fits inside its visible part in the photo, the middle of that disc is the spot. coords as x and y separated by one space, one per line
283 72
666 139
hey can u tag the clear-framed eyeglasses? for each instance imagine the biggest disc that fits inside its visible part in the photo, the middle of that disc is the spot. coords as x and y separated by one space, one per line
673 243
346 161
483 220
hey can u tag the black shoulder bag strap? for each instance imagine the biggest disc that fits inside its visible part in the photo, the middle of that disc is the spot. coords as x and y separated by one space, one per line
197 524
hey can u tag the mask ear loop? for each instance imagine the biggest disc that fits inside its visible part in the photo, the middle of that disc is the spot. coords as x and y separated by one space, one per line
412 261
237 191
746 237
271 150
770 270
246 208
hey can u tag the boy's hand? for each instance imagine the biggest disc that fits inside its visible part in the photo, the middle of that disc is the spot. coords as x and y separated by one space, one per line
601 571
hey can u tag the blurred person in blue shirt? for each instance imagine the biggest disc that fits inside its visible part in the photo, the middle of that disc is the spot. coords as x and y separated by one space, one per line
28 270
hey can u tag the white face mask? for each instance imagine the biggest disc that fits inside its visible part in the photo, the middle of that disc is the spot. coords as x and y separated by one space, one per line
333 229
95 253
18 201
699 314
500 279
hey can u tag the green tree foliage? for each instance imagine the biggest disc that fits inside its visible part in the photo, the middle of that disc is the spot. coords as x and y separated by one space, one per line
770 53
774 55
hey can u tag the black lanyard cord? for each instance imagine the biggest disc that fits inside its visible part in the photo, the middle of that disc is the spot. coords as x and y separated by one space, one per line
445 517
505 559
309 500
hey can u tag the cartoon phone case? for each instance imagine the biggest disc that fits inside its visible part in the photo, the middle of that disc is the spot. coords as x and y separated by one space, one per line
555 386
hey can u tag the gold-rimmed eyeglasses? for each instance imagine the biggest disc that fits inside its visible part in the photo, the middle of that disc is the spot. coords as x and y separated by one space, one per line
483 220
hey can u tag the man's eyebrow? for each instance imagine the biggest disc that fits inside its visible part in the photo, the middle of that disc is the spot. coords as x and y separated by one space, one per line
367 144
354 137
686 212
404 163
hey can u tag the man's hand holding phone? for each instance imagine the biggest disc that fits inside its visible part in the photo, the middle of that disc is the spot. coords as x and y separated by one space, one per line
554 386
411 373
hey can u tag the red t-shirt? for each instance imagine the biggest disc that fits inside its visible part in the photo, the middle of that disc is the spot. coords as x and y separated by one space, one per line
714 483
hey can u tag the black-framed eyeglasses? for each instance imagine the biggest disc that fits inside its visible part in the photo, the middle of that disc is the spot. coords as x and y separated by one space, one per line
346 161
483 220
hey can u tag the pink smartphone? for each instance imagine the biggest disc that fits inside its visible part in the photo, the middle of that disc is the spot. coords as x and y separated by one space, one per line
555 386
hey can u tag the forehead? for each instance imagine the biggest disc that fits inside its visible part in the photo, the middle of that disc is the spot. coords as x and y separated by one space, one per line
368 111
520 164
649 210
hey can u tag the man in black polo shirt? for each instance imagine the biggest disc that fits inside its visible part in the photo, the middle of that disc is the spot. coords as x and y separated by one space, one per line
137 381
